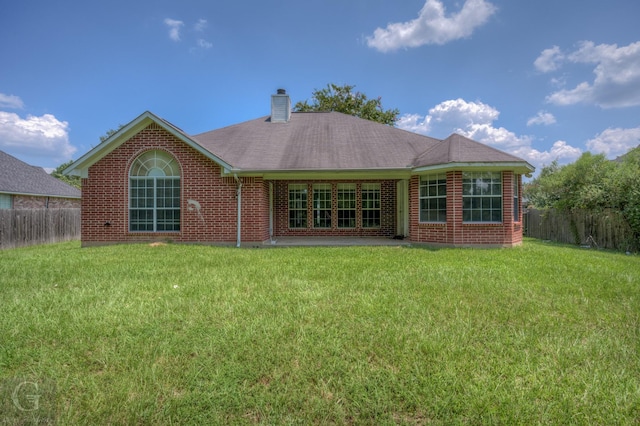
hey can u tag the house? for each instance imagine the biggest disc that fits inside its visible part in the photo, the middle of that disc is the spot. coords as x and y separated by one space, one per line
23 186
294 174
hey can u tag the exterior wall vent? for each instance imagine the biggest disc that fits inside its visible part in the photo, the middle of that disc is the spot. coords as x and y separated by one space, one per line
280 107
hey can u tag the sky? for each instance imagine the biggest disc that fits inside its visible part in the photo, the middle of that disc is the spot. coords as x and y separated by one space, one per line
544 80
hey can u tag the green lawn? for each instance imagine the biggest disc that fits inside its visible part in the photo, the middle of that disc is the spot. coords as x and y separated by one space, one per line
180 334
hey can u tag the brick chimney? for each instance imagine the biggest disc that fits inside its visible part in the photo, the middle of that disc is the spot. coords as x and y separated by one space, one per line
280 107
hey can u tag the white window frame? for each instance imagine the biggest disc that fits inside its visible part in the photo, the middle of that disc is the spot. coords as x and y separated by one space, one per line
347 205
322 205
298 205
433 193
371 200
154 192
482 198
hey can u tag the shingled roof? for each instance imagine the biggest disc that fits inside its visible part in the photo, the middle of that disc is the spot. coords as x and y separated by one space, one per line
459 149
18 177
320 142
314 141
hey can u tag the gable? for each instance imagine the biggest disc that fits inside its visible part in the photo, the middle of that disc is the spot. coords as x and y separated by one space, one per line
81 166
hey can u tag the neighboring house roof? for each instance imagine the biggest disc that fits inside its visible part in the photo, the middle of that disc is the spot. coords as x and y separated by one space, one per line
18 177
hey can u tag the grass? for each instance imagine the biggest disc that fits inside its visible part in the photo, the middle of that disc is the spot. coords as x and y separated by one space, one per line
180 334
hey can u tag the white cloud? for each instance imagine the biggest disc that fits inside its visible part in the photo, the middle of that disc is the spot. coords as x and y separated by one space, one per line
43 136
204 44
560 150
414 123
542 117
174 28
201 25
10 101
549 60
432 26
617 76
614 142
475 120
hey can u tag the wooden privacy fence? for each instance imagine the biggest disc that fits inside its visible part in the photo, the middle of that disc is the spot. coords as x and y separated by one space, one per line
38 226
606 229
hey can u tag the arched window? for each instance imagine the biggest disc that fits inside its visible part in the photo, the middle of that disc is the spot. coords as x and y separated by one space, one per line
154 193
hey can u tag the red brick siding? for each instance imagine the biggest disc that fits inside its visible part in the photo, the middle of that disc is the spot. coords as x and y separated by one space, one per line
105 197
454 231
33 202
387 211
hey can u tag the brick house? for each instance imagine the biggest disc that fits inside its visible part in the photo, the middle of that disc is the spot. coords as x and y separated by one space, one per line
23 186
295 174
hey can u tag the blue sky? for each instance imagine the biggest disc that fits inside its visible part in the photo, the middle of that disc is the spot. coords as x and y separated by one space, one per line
545 80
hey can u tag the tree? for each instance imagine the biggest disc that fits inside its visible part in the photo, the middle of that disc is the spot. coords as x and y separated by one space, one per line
343 99
75 180
579 185
623 186
110 133
71 180
591 183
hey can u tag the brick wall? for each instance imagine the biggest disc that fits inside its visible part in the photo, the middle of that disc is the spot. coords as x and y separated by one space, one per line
105 197
387 211
105 204
457 233
33 202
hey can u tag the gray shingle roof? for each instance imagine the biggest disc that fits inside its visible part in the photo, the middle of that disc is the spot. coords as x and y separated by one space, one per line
335 141
315 141
18 177
459 149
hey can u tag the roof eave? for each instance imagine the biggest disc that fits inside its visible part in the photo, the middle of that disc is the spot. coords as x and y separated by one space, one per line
81 166
360 173
36 194
519 167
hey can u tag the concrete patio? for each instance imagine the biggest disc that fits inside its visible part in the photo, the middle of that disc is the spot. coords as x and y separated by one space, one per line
335 241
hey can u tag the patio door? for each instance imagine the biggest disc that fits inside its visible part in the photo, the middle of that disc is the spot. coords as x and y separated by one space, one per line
402 207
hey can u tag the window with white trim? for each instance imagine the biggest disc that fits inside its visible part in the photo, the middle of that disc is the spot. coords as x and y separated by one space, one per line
347 205
297 205
482 197
433 198
370 205
154 193
322 205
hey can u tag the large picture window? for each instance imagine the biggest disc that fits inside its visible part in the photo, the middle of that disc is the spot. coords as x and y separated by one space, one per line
297 206
433 198
154 193
482 197
322 205
370 205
